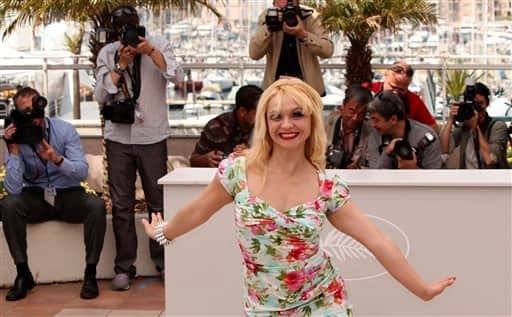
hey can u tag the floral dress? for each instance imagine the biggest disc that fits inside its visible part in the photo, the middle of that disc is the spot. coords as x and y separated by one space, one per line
285 271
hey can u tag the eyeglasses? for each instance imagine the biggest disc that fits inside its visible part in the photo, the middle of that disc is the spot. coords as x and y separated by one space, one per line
408 71
123 11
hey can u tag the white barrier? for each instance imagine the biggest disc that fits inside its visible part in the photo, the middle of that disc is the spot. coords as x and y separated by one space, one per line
446 222
56 253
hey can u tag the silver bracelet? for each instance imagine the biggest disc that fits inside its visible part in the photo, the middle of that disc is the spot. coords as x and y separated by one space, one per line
159 234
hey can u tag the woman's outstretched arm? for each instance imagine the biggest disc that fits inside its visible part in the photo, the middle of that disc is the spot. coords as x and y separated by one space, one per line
194 213
350 220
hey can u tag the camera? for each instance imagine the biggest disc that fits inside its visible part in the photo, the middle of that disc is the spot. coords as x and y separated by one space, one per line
130 34
468 107
405 150
289 16
26 131
337 158
120 111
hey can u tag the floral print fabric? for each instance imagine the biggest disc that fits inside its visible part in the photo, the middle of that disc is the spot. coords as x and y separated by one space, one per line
285 271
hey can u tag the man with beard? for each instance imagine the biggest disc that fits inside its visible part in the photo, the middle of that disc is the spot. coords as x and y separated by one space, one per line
397 79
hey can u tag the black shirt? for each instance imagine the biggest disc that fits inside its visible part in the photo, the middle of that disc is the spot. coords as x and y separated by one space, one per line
288 64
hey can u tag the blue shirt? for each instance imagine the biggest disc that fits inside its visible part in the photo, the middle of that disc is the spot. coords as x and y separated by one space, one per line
28 169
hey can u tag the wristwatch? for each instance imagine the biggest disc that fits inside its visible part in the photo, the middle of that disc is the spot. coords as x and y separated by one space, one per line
118 69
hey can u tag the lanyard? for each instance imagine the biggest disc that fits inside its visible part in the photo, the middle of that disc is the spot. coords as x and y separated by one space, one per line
43 161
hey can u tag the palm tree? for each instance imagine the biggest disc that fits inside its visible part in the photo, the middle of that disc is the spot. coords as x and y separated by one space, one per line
97 14
358 20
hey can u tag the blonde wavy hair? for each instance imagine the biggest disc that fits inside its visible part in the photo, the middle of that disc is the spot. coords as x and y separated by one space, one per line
308 99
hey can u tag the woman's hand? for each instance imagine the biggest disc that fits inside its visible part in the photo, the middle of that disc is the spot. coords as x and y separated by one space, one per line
150 227
437 288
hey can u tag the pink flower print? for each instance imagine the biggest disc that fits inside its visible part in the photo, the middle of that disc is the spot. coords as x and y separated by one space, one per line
296 242
343 193
327 187
311 273
294 280
284 217
268 224
272 227
222 168
253 295
336 288
256 230
318 205
252 200
297 254
307 293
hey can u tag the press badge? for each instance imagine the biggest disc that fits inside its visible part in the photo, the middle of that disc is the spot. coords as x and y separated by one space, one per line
49 195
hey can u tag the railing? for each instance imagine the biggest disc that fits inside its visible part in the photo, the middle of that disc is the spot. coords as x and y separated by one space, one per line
429 76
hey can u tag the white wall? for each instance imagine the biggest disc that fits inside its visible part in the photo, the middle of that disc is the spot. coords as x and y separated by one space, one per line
447 222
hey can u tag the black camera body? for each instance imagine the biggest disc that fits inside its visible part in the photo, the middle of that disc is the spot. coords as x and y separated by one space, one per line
26 131
120 111
405 150
289 16
468 107
337 158
130 34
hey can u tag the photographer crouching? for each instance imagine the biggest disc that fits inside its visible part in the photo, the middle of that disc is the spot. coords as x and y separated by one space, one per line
45 165
397 142
131 84
292 37
477 141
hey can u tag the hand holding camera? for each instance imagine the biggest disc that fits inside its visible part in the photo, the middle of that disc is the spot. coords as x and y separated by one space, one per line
288 19
469 106
47 152
20 123
298 30
214 157
407 164
126 56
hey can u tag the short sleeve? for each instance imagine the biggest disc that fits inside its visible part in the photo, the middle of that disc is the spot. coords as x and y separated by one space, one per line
337 192
231 173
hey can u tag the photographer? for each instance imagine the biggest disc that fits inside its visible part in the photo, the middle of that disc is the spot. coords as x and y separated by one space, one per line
349 147
228 132
45 165
397 79
397 142
480 141
292 38
131 81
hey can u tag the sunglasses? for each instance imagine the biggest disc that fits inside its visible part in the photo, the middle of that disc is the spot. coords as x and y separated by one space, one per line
123 11
401 70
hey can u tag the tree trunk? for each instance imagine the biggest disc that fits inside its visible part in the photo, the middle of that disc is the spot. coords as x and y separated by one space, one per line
358 60
76 90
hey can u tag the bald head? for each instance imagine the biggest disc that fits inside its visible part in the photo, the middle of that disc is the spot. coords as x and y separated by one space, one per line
398 77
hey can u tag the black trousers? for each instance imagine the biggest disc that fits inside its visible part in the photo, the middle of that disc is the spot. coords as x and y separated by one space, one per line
72 205
124 160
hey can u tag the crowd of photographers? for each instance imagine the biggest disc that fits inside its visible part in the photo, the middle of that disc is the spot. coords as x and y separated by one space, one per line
379 126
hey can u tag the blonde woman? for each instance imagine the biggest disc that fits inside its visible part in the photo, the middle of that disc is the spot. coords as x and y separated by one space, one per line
289 274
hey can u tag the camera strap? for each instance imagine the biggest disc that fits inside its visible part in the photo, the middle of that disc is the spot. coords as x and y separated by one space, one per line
338 139
135 78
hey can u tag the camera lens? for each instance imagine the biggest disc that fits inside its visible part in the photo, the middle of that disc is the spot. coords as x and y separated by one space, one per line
403 149
290 18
